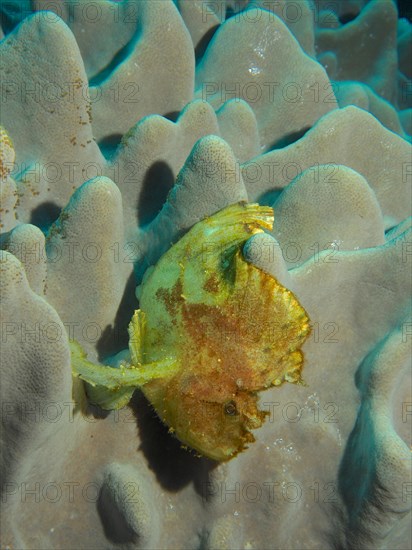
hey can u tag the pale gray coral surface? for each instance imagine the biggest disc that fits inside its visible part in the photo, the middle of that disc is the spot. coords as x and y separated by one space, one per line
127 123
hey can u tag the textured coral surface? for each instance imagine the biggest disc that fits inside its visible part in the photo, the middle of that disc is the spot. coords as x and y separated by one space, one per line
124 123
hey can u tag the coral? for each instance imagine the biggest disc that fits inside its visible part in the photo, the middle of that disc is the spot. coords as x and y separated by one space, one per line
276 82
128 513
124 124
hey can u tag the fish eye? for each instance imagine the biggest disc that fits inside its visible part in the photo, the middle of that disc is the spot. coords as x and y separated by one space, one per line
230 408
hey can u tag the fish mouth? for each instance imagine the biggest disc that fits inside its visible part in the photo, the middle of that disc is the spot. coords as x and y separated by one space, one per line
223 438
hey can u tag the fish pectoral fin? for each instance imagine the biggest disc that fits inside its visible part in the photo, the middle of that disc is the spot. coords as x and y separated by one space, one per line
136 331
111 387
109 399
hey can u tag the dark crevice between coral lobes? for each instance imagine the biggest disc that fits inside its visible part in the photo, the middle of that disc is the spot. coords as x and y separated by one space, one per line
203 43
358 478
44 215
114 524
118 59
172 115
109 144
405 9
268 198
12 13
347 18
288 139
158 181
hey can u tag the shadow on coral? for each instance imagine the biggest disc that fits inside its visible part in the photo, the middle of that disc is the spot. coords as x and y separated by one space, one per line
117 60
358 481
45 214
157 183
174 466
268 198
405 9
115 337
347 17
12 13
172 116
203 43
94 411
109 144
114 524
288 139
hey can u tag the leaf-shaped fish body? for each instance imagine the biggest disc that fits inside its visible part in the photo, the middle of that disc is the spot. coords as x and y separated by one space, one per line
231 329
